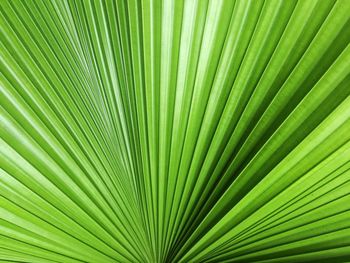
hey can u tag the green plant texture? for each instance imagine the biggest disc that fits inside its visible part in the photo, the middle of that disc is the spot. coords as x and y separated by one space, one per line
175 131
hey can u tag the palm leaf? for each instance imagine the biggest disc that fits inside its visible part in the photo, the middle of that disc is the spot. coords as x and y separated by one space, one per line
175 131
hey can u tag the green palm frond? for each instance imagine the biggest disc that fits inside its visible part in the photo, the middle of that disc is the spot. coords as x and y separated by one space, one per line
175 131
